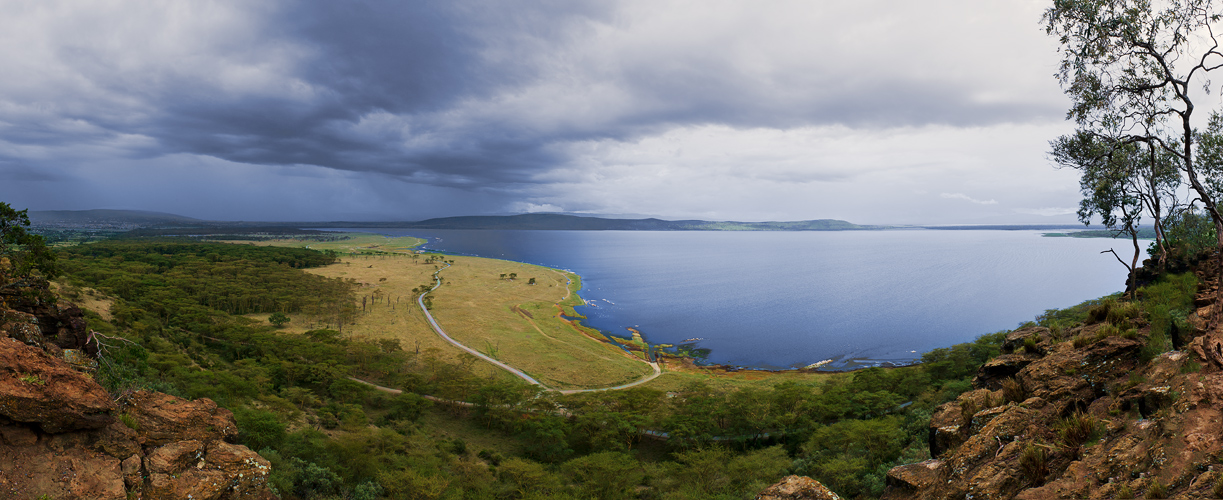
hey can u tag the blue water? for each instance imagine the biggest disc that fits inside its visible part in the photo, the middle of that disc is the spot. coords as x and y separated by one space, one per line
790 299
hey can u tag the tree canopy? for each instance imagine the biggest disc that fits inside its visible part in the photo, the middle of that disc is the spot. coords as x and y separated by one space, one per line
23 255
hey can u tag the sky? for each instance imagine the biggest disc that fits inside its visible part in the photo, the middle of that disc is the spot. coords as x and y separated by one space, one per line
871 111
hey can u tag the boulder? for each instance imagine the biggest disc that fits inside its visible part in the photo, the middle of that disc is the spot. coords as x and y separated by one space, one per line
1018 338
797 488
188 469
162 418
945 428
36 387
1209 349
913 477
21 326
991 374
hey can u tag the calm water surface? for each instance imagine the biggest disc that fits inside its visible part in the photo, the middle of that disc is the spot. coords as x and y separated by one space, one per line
788 299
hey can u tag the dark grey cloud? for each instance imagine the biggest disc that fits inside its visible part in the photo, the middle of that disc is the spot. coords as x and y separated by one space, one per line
508 102
433 64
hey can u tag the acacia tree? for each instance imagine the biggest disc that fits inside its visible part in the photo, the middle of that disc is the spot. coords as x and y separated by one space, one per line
1130 67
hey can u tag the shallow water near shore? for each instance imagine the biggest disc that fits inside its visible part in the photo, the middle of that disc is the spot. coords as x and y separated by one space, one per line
791 299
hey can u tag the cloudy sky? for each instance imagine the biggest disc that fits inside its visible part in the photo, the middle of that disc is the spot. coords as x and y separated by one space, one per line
872 111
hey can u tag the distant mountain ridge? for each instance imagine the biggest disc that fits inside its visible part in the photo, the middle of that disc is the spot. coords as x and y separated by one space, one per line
578 223
153 223
559 222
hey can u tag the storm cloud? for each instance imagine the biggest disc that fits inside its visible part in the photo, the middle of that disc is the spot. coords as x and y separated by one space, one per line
720 109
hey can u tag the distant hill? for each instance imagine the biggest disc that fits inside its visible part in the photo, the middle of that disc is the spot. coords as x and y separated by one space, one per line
158 223
109 217
578 223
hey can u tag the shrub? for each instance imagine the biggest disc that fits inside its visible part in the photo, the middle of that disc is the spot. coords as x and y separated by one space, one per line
1121 314
1108 330
1082 341
1029 345
1034 463
1013 390
129 421
1156 489
1156 344
1100 312
1067 318
1076 429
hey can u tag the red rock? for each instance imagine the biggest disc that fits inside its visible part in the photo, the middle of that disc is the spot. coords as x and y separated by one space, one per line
174 457
797 488
35 387
913 477
163 418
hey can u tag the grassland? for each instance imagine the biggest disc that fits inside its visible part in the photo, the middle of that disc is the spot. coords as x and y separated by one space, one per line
352 243
507 319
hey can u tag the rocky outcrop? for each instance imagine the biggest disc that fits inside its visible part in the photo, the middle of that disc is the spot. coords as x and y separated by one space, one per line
62 435
797 488
39 389
1094 421
913 477
163 418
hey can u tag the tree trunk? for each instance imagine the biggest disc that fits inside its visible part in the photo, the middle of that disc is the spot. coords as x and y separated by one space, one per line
1133 285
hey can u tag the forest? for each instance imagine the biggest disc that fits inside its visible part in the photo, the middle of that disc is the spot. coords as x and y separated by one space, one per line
177 326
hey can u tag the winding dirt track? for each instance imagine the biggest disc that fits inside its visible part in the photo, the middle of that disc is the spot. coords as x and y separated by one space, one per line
420 301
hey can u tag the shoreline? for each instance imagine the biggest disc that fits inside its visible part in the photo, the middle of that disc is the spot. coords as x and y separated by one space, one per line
637 346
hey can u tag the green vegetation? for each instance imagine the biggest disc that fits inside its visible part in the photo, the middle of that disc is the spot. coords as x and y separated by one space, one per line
129 421
1034 463
278 319
31 379
180 306
1077 429
24 257
1157 489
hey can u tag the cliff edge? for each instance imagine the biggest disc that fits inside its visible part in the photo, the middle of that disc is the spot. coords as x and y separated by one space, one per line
1087 412
62 435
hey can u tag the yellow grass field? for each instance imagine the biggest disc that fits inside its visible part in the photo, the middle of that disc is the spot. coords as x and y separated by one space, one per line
507 319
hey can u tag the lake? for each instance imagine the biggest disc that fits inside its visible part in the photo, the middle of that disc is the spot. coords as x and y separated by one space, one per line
790 299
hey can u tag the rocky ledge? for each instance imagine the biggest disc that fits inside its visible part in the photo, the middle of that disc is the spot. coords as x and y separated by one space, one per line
63 436
1052 420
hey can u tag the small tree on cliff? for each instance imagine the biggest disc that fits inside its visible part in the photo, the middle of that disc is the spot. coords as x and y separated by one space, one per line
24 257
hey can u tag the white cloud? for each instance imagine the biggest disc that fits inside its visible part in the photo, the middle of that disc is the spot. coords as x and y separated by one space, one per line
1047 212
962 196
